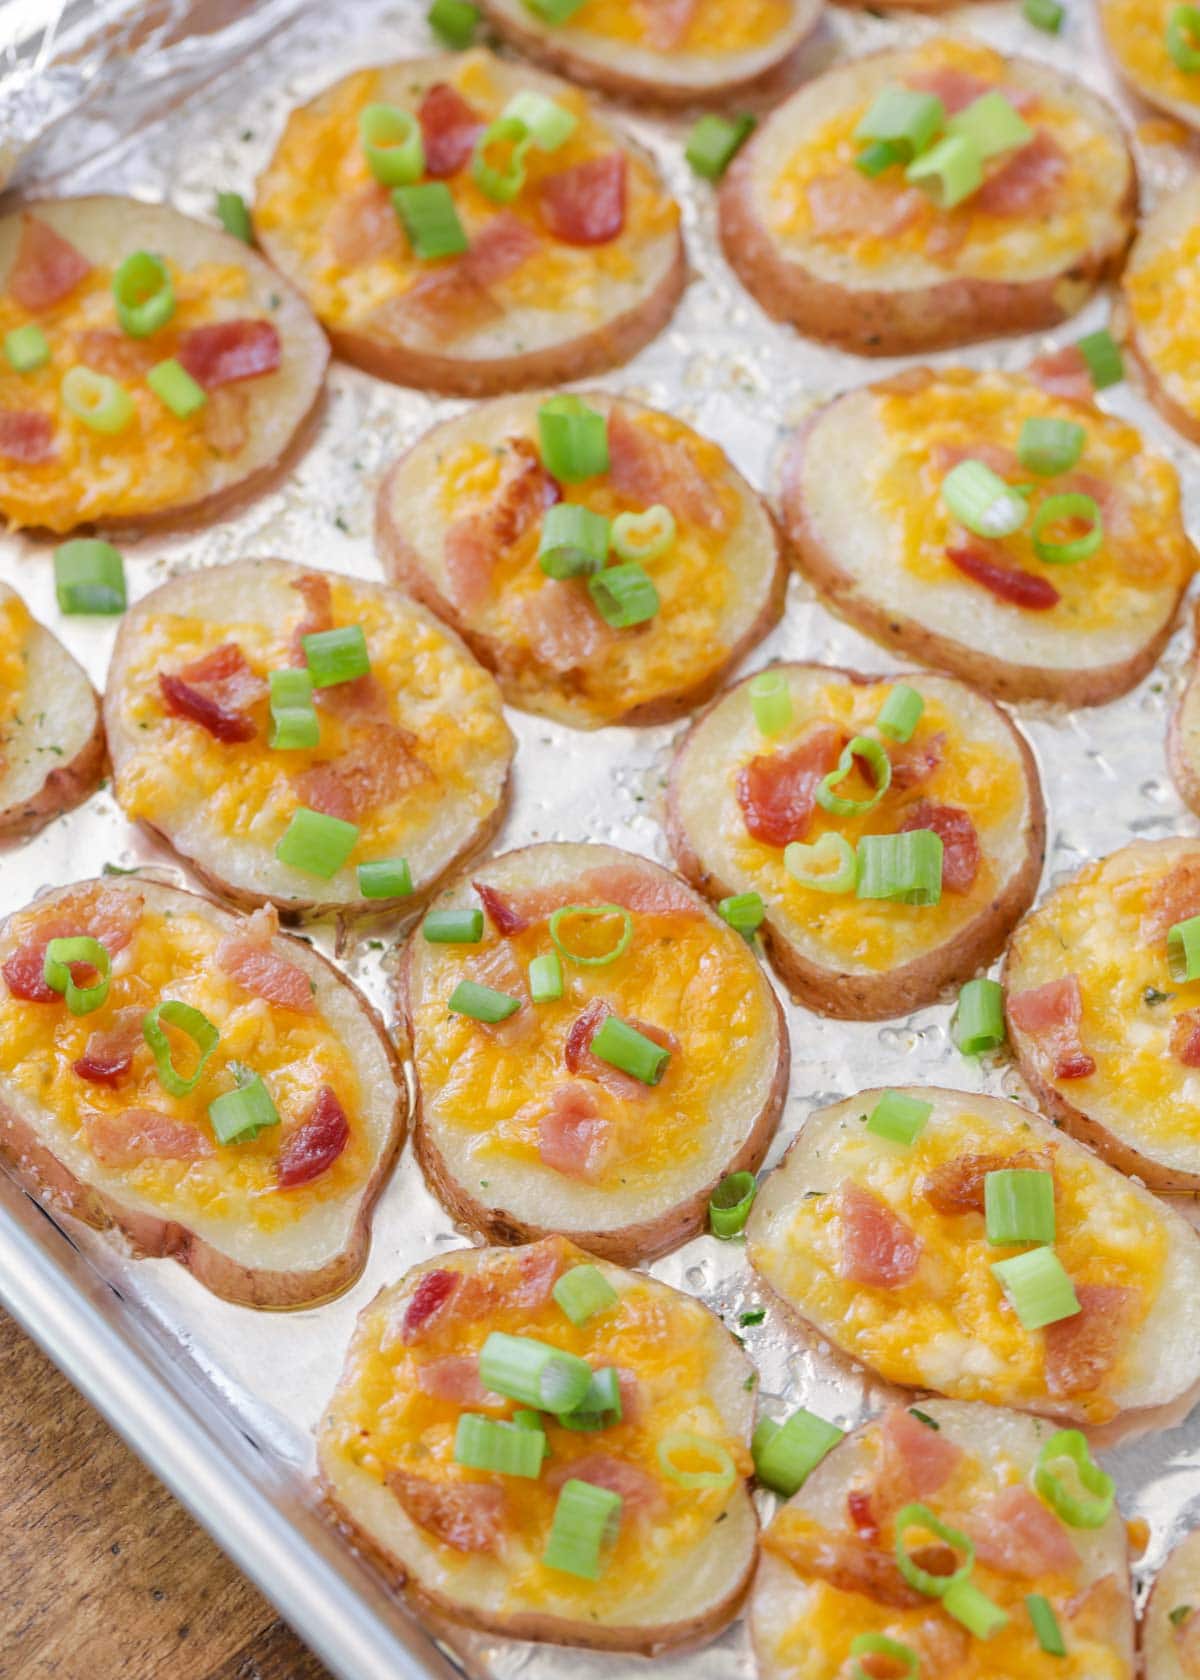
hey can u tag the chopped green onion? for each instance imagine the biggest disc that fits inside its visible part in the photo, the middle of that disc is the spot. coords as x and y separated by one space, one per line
600 1407
501 181
550 124
592 913
336 656
234 217
554 11
506 1449
61 956
574 541
622 1046
481 1003
974 1609
949 172
533 1373
644 536
1043 14
546 978
714 143
924 1417
196 1026
900 713
293 715
584 1291
905 868
877 156
586 1517
981 500
785 1455
97 400
89 577
385 878
574 440
978 1023
175 388
316 844
1047 446
143 294
430 220
1183 38
392 144
1183 949
992 124
1179 1614
1103 358
682 1443
744 912
1019 1205
454 22
453 927
238 1116
1057 510
771 701
879 1645
623 595
829 864
907 119
730 1203
26 348
1045 1625
876 756
899 1118
933 1586
1072 1483
1038 1286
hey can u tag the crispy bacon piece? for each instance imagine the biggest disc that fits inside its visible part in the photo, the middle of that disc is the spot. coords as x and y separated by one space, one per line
1185 1037
849 206
638 1490
522 1278
249 959
46 269
649 469
668 23
959 88
1015 1534
496 967
585 204
315 1144
916 1460
365 226
960 842
454 1378
1051 1015
1173 898
449 128
609 883
214 692
454 299
878 1249
139 1134
381 766
577 1052
114 353
778 791
840 1560
108 1054
1082 1350
109 916
499 249
563 627
1007 583
225 421
314 590
225 351
957 1185
27 436
476 541
1027 181
467 1516
501 912
573 1135
428 1299
1064 373
862 1515
913 764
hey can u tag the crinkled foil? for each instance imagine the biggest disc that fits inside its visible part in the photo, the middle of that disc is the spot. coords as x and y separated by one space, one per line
127 98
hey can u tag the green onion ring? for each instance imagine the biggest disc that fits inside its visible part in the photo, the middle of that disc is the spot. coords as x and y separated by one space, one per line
875 753
1090 1508
592 911
879 1645
56 972
1072 505
187 1020
933 1586
683 1440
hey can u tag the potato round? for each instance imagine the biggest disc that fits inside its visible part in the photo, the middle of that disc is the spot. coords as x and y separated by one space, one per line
217 1209
1158 281
880 554
1183 736
1169 1648
520 1130
419 761
720 586
1135 32
841 955
564 311
161 468
863 276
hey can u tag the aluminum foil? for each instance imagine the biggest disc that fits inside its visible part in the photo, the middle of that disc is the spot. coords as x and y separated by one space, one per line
155 109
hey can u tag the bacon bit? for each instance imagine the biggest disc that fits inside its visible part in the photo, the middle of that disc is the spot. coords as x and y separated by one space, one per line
917 1460
1173 898
959 88
499 249
638 1490
778 791
668 23
467 1516
648 469
960 842
1064 373
913 764
496 967
1051 1014
225 351
1002 460
539 1266
1008 583
428 1299
380 767
449 129
609 883
108 1054
315 1144
522 1278
445 304
631 1395
585 205
225 421
113 353
503 915
249 959
957 1186
840 1560
454 1378
46 268
563 628
862 1515
878 1249
1093 1612
1185 1037
105 914
27 436
1028 180
314 590
214 691
1015 1534
573 1135
476 541
849 206
138 1134
364 227
577 1051
1082 1350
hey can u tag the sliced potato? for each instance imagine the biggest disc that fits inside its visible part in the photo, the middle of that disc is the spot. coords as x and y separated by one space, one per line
1170 1628
1159 279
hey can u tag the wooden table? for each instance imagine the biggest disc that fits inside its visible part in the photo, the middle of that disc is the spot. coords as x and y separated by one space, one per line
106 1577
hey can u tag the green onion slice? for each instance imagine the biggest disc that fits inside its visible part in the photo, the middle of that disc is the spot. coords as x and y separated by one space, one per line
586 1518
1048 446
644 536
175 388
89 577
992 123
878 156
600 1407
550 124
336 656
1099 350
533 1373
623 1047
392 144
594 913
876 756
683 1444
982 501
905 868
715 141
900 713
1019 1205
730 1203
316 844
143 294
506 1449
574 541
293 715
554 11
1072 1483
933 1586
194 1024
61 955
974 1609
949 172
744 913
234 217
498 161
26 348
1183 949
385 878
97 400
1179 1614
1045 1625
481 1003
453 927
1183 38
1056 510
978 1023
907 119
1038 1286
879 1645
1043 14
574 440
785 1455
238 1116
454 22
829 864
584 1291
770 701
623 595
546 978
430 220
899 1118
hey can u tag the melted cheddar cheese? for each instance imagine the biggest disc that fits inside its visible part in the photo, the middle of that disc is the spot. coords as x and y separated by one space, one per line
716 26
974 775
929 425
382 1421
1137 36
1158 294
967 239
15 628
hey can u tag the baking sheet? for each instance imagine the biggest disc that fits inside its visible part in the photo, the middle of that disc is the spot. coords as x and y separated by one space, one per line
189 112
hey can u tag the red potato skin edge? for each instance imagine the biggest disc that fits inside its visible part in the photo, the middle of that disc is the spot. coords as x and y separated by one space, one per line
65 787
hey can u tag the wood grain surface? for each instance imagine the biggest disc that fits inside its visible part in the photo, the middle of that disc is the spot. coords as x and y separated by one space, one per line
106 1576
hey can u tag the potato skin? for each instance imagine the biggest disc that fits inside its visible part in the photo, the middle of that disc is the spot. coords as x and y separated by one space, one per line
65 786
